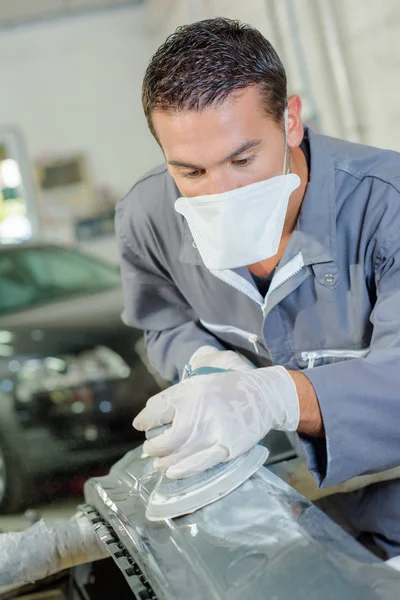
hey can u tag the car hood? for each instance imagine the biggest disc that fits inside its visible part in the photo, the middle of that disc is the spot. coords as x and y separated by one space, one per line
63 325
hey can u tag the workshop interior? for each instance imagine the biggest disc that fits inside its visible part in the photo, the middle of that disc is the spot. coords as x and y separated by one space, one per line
85 513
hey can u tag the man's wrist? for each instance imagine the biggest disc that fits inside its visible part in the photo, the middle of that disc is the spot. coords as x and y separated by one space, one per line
311 422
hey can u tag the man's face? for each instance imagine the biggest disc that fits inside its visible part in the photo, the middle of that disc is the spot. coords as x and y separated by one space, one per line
225 147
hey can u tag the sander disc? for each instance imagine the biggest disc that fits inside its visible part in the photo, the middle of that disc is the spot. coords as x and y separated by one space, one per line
176 497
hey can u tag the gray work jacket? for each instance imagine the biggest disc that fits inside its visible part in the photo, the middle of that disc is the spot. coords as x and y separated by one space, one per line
332 310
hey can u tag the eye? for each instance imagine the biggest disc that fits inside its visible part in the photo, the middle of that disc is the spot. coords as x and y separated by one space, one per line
243 162
192 174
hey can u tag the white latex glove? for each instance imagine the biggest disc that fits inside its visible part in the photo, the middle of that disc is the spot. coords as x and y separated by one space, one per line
209 356
394 562
217 417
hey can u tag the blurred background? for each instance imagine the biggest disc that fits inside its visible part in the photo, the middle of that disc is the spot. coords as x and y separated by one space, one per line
73 140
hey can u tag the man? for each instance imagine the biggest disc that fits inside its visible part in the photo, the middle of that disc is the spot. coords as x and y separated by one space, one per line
260 242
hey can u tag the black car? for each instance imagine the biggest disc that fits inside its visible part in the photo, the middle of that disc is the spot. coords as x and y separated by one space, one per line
72 375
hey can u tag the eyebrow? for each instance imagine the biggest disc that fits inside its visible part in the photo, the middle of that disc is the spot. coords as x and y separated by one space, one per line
243 148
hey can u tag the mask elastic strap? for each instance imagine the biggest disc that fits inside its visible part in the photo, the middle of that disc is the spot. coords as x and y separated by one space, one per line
286 155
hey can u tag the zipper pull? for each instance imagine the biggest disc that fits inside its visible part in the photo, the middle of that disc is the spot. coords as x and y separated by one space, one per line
311 356
253 339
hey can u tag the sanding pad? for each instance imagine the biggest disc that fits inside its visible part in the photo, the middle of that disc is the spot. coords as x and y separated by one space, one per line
176 497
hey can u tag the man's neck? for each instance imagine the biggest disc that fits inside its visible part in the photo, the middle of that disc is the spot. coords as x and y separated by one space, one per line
299 166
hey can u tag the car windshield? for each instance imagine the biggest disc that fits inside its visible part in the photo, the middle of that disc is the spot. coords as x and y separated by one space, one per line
34 276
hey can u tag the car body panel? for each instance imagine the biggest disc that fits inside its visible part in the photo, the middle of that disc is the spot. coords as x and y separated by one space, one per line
263 540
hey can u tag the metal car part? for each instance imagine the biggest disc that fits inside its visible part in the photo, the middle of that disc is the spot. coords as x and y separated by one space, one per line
262 540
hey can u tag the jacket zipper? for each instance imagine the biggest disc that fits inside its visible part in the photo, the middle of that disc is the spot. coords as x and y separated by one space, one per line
313 355
238 283
281 276
251 337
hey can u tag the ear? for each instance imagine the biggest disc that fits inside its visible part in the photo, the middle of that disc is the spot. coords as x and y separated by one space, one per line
296 129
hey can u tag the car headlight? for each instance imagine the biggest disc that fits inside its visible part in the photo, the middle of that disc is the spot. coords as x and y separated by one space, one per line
69 371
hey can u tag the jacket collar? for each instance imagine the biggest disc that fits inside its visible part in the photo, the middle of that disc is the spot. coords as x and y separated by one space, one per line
315 232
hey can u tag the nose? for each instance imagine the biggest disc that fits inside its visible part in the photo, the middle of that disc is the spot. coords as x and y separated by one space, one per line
220 182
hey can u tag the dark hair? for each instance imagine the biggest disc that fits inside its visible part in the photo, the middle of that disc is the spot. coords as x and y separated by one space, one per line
201 64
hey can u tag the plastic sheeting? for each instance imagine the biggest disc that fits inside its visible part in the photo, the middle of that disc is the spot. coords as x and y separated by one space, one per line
40 551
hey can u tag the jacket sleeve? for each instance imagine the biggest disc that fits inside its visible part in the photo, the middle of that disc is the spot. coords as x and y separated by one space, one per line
360 398
152 302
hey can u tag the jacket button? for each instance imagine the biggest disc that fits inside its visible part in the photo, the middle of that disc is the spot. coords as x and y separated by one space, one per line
194 244
329 278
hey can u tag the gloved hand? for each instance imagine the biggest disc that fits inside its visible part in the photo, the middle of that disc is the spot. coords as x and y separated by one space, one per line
217 417
209 356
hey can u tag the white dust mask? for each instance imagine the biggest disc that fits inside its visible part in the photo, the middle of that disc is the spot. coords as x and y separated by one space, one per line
243 226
